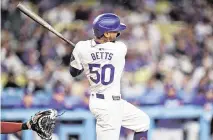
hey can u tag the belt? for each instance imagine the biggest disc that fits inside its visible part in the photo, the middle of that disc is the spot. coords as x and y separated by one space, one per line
101 96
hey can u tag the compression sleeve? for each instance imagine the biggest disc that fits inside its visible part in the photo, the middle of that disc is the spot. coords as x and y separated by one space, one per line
10 127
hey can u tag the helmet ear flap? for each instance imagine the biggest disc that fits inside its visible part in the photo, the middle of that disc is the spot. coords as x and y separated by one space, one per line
97 33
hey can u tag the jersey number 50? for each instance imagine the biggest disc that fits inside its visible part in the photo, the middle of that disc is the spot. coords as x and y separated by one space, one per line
101 76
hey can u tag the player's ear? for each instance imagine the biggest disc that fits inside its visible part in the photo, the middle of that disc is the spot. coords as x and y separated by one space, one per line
107 35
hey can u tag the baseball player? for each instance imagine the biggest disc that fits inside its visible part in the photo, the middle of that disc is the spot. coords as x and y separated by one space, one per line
102 59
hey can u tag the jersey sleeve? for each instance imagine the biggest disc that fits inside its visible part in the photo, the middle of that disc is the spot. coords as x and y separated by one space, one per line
124 48
75 60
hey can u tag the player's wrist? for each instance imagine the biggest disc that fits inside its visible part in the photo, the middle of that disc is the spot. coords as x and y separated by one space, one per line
26 126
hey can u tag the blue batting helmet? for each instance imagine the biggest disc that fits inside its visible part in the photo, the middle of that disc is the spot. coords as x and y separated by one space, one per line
107 22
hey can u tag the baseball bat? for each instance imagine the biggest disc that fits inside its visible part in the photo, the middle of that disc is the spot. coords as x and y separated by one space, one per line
42 22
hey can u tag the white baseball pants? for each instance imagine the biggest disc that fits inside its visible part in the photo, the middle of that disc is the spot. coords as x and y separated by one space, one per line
112 114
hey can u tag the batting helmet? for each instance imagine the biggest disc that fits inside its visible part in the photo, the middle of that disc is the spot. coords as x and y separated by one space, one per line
107 22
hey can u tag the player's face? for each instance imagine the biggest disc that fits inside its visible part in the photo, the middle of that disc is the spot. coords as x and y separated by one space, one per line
111 35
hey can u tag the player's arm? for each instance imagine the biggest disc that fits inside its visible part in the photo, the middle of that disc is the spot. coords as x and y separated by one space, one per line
12 127
43 123
75 63
74 71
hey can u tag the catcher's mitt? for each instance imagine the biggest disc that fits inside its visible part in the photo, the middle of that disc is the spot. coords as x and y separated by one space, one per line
43 123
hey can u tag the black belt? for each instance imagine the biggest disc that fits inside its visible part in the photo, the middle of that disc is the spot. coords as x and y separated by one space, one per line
101 96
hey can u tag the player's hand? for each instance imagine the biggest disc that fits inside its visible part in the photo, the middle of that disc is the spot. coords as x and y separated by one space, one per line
43 123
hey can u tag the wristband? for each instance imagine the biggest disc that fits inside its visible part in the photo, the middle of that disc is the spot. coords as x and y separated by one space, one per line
24 126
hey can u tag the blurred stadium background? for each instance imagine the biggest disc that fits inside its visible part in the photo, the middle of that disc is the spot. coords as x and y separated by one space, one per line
168 71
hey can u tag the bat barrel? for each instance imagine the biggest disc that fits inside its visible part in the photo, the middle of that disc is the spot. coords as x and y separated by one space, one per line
39 20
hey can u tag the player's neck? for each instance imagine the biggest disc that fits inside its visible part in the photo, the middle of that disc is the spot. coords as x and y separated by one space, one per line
102 40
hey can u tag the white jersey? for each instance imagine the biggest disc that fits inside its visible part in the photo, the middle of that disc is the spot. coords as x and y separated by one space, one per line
103 64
